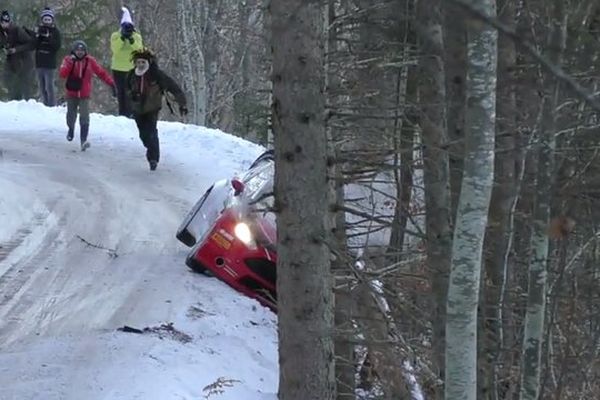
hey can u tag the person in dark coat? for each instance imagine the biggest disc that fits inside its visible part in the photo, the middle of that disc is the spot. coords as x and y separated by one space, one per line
146 85
18 45
48 42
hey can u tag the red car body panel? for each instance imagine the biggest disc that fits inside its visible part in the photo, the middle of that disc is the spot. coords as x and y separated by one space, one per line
209 229
248 269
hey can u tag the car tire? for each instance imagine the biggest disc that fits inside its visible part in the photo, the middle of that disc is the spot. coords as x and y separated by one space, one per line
183 234
194 265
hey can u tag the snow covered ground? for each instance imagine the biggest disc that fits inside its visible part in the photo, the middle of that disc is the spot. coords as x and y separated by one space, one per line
62 299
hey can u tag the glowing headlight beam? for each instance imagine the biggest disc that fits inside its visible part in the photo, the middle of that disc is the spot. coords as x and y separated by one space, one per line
242 232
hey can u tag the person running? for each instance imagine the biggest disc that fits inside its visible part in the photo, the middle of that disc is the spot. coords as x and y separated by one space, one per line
18 45
78 69
146 84
122 44
47 45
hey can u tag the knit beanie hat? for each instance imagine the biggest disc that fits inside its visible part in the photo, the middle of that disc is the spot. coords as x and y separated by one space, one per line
79 45
126 17
5 16
47 12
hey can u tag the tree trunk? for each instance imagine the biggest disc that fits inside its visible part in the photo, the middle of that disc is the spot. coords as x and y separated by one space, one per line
345 332
472 211
455 64
436 173
403 139
536 292
504 197
192 59
304 284
403 173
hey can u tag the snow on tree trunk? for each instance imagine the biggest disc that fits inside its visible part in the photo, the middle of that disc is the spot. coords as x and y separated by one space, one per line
472 210
191 59
304 282
536 292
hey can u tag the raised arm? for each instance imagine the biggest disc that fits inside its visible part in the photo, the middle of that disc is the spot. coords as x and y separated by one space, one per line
25 41
65 67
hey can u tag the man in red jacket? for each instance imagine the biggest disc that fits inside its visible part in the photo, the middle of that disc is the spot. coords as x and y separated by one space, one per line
78 68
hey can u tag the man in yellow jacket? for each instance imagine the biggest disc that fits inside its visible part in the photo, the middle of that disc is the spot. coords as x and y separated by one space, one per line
123 43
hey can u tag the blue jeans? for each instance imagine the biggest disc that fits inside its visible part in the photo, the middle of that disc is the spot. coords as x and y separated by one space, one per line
46 84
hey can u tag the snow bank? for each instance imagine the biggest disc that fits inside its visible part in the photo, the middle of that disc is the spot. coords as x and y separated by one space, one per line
215 343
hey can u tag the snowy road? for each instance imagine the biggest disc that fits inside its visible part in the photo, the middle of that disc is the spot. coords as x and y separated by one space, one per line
51 281
62 299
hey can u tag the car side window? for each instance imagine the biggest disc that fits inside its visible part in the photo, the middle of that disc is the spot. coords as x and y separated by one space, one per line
258 180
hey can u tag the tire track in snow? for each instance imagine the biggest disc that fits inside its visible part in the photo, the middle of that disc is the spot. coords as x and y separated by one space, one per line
109 199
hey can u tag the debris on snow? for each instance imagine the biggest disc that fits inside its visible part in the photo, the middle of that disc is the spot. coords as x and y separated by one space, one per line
164 330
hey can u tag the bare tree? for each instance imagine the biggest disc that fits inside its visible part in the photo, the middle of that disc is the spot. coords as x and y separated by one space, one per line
536 294
500 231
432 93
192 58
472 210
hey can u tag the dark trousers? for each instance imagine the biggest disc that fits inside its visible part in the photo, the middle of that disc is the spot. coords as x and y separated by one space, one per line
18 83
120 78
146 124
74 105
46 85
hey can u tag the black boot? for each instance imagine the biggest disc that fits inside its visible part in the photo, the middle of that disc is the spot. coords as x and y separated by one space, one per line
70 133
85 128
153 165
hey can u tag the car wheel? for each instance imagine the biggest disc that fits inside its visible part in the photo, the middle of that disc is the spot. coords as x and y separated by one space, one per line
197 267
183 234
194 265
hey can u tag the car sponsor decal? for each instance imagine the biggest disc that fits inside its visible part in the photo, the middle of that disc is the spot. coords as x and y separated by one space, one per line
230 271
221 241
226 234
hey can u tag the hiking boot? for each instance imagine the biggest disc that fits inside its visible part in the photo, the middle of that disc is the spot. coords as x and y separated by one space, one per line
85 145
70 134
153 165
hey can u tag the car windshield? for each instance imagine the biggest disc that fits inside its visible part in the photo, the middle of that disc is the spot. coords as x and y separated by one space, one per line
258 192
259 180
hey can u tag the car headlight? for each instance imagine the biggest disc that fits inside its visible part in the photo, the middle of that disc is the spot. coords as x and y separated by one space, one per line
242 232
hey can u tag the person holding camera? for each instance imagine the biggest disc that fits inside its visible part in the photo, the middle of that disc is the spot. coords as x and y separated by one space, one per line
77 69
18 46
146 85
122 44
48 42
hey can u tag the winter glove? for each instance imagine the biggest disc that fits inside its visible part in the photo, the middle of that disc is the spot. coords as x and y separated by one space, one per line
43 31
131 40
114 91
183 110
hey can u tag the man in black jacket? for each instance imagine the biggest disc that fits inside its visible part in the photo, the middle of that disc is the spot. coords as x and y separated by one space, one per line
146 86
18 46
48 43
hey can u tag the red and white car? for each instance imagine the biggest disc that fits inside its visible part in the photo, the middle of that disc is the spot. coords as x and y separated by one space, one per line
232 233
